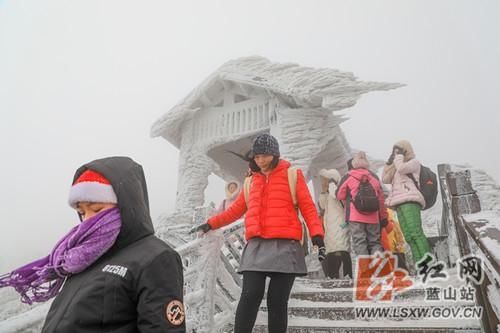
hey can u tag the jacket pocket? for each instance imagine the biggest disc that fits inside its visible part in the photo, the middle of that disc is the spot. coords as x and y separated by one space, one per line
117 306
109 305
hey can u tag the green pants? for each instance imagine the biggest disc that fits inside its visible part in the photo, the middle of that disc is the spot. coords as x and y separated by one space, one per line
411 225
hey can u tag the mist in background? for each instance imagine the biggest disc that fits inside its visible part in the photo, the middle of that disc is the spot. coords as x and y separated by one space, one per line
81 80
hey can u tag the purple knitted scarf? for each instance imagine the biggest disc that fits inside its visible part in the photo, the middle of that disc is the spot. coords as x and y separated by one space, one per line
83 245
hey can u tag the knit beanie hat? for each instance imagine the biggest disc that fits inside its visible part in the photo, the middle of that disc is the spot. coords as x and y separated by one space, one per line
266 144
91 186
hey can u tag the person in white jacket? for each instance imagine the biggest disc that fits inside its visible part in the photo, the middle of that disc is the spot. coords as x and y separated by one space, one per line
232 190
337 235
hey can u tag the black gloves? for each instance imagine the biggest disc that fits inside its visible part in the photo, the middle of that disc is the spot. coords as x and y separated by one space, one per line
383 223
318 241
205 227
395 151
391 158
321 253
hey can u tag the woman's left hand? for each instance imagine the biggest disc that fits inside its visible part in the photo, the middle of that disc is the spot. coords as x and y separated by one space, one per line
319 244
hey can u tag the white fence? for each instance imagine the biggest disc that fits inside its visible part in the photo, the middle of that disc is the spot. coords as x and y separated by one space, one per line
238 119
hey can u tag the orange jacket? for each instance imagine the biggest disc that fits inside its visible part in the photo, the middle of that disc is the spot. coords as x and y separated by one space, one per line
270 212
395 237
384 239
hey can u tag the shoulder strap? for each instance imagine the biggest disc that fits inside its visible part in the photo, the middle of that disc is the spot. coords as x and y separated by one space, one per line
410 175
292 182
351 175
246 188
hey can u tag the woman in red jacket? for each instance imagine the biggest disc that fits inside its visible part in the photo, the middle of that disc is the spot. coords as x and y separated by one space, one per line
273 231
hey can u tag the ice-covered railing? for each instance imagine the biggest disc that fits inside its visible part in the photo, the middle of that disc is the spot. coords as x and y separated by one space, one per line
473 229
239 119
16 317
212 285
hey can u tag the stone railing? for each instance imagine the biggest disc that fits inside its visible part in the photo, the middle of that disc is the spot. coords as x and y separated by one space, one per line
471 232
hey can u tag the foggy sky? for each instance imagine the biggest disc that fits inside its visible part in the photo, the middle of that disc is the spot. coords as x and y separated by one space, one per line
81 80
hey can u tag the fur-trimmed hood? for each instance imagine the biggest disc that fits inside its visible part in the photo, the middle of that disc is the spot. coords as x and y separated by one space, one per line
330 174
229 195
409 153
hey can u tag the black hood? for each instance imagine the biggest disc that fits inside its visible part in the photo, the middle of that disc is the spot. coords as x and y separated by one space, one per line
129 184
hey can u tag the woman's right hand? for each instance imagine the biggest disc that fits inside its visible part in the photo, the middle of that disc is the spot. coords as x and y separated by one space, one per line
391 158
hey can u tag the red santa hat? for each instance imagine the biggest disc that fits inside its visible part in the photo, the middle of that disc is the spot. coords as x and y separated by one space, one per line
91 186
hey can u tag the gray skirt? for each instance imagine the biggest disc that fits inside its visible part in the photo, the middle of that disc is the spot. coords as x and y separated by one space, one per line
273 255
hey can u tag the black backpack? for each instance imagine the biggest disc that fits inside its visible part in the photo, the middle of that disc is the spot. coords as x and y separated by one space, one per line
428 186
366 200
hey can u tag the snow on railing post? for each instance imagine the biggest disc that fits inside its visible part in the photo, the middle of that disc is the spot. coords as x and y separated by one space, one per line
448 227
202 261
209 282
212 286
462 200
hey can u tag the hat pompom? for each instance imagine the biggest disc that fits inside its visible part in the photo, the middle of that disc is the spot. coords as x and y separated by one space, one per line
91 186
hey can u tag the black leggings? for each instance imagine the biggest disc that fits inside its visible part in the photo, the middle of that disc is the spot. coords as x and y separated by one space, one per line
331 265
278 293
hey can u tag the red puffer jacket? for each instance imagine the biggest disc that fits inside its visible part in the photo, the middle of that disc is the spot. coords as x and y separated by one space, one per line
270 212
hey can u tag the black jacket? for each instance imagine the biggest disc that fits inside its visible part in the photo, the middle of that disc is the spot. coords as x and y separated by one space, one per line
134 287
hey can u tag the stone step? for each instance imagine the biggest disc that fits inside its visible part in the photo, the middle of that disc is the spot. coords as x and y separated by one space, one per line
347 295
349 329
308 283
301 284
323 283
308 325
347 310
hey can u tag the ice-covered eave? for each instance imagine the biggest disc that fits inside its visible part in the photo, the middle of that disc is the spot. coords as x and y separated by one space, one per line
325 88
169 126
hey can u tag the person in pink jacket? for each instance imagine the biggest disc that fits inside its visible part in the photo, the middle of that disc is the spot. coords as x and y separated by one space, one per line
364 225
405 197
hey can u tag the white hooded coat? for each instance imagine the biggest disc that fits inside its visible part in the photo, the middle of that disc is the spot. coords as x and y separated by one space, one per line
337 236
230 197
